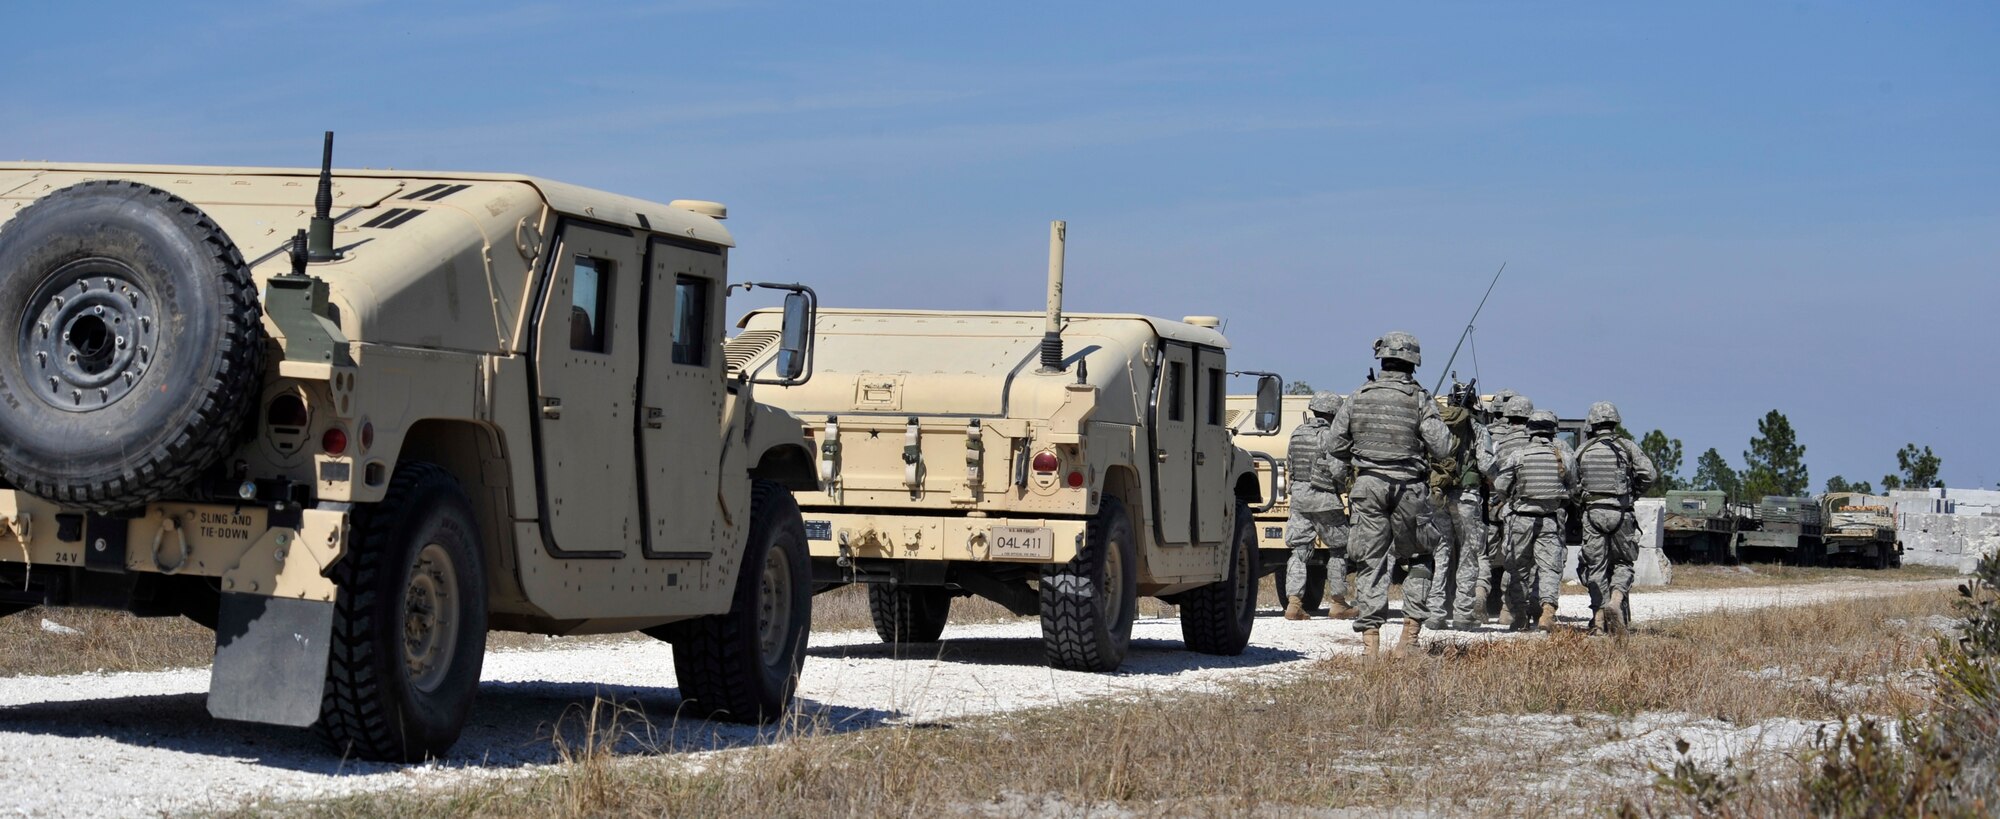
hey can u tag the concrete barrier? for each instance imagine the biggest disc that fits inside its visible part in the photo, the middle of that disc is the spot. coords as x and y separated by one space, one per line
1652 568
1955 541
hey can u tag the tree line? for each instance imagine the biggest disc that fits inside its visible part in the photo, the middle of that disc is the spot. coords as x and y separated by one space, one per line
1775 464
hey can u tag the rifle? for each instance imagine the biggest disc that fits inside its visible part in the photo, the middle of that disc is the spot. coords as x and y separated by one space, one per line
1468 326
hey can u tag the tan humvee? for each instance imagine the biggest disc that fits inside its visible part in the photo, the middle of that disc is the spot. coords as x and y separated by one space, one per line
460 402
1059 464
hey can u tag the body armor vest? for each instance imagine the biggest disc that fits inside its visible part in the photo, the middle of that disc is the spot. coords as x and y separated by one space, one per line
1539 474
1302 457
1385 416
1604 468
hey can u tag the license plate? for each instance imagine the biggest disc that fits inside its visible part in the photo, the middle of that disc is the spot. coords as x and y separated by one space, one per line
1022 543
819 530
1274 532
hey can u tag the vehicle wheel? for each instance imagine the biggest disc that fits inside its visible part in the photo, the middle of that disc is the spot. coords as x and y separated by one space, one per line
743 664
908 614
409 623
1088 604
1217 618
1314 595
130 345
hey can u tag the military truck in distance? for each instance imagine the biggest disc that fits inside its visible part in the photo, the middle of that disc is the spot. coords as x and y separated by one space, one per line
448 403
1698 526
1860 530
1781 528
1059 464
1269 452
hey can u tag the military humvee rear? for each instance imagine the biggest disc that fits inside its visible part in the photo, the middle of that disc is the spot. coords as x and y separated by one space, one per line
1058 464
1269 450
447 403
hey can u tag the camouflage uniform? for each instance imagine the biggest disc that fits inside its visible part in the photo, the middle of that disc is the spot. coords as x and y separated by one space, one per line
1455 498
1611 471
1389 430
1317 511
1534 480
1507 432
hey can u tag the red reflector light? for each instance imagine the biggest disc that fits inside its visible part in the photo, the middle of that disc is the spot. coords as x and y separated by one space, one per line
1075 480
1046 462
334 442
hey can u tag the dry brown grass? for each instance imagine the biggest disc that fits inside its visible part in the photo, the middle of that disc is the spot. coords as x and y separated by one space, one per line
1747 575
1474 729
107 641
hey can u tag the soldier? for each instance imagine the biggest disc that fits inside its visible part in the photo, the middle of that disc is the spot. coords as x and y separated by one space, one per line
1455 496
1387 434
1534 480
1507 429
1318 513
1611 471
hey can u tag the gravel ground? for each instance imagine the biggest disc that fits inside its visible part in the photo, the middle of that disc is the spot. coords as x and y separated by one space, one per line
142 744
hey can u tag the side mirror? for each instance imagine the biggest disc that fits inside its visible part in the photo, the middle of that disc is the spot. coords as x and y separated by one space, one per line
793 362
1270 401
797 333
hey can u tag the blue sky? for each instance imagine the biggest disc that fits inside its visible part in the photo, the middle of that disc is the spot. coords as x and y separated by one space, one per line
1708 210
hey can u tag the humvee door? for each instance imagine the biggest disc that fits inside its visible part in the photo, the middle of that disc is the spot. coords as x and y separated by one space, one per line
1173 441
587 358
680 400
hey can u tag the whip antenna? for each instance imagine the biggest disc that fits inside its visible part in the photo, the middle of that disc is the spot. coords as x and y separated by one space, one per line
1468 325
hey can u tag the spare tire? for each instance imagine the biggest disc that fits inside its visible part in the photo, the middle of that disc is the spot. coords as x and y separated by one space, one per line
131 343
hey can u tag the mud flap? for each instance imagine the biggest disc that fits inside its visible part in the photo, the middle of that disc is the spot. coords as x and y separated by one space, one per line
270 659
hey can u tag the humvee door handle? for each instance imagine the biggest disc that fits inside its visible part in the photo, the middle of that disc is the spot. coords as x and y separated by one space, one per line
654 416
1160 455
551 408
1200 458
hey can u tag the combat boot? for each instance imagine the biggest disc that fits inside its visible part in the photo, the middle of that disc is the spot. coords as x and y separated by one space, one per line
1338 608
1371 643
1407 644
1296 611
1438 622
1597 621
1614 612
1548 621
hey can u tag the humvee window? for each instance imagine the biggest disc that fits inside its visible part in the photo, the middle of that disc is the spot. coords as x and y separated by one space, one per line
590 300
1176 401
691 321
1215 397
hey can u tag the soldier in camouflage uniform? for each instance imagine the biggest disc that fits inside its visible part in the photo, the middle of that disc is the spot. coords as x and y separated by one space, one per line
1507 430
1387 434
1455 483
1318 514
1534 480
1611 470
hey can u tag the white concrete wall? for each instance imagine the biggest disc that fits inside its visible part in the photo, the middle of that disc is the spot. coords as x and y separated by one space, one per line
1947 501
1957 541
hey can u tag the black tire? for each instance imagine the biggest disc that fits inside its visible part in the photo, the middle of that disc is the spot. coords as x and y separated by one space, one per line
1315 594
1217 618
1081 630
908 614
742 665
376 706
130 345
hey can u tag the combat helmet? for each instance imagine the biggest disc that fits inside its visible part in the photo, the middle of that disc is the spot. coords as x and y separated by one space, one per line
1541 420
1324 403
1401 346
1603 413
1517 406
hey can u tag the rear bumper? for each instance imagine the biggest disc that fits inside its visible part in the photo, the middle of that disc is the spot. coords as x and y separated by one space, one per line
252 549
930 537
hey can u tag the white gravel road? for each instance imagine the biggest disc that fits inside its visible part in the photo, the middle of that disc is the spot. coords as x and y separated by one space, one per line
142 744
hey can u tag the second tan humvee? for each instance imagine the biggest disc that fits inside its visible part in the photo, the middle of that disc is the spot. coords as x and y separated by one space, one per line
1060 472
